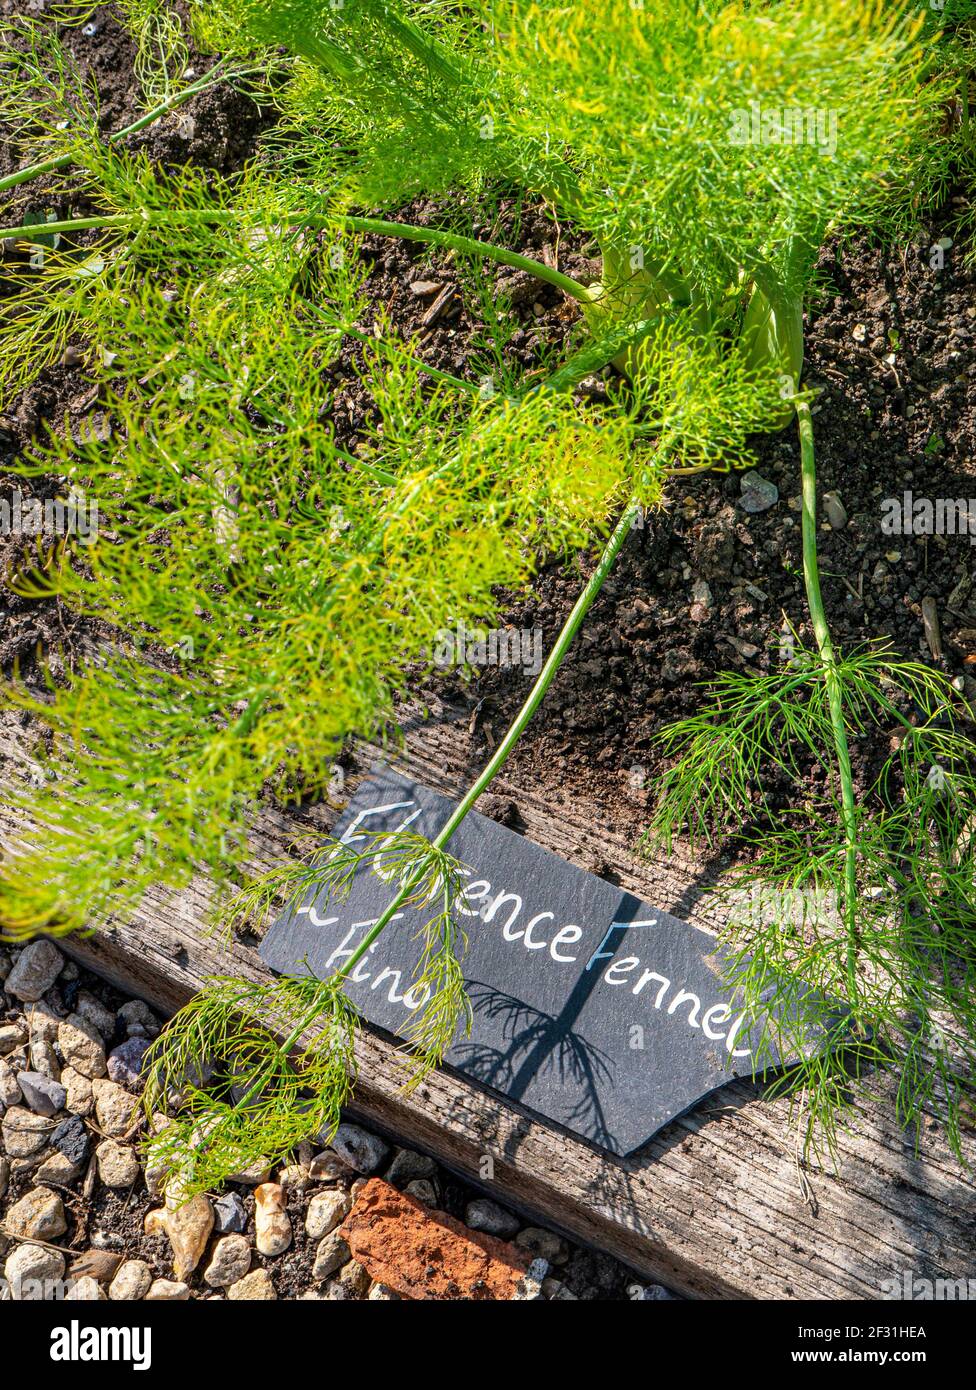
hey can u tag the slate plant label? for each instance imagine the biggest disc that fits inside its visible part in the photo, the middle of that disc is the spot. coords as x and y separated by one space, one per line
598 1011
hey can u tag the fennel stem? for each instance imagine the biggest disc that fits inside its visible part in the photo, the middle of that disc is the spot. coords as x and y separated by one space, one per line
216 216
832 678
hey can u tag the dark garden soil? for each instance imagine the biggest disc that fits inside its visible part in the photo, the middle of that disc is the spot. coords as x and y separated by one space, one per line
704 586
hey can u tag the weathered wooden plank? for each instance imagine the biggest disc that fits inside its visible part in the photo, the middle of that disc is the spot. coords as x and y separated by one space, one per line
715 1205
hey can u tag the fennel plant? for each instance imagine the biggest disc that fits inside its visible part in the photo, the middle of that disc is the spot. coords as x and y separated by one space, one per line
267 584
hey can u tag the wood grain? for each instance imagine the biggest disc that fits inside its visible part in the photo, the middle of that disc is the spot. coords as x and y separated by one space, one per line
716 1206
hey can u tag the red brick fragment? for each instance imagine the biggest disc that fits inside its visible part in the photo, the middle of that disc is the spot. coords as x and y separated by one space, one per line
426 1254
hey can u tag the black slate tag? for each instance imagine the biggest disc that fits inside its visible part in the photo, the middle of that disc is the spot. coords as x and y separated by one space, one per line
591 1007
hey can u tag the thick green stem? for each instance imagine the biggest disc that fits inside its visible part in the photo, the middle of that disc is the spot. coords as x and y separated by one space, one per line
50 166
229 216
469 245
30 230
517 728
832 679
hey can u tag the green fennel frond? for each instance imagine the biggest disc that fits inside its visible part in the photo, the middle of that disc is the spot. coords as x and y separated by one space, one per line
404 860
791 928
162 53
47 105
251 1070
245 1072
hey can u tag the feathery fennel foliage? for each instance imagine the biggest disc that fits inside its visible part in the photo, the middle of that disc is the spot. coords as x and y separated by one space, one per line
429 877
873 902
266 1096
46 106
265 585
162 54
640 128
290 621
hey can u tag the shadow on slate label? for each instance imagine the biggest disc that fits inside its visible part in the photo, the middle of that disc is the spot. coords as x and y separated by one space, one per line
592 1008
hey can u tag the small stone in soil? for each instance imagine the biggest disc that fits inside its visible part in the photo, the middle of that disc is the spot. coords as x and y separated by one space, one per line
253 1176
32 1270
85 1290
125 1062
71 1139
747 650
132 1282
167 1291
188 1225
328 1167
12 1035
325 1211
546 1245
422 1190
43 1022
37 968
24 1133
529 1286
38 1216
58 1170
114 1107
930 623
360 1149
118 1166
272 1224
294 1178
107 1240
44 1096
230 1262
483 1215
139 1019
230 1217
9 1090
836 512
407 1164
101 1019
701 602
332 1254
254 1286
81 1046
352 1283
758 493
44 1059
